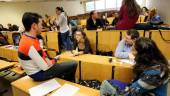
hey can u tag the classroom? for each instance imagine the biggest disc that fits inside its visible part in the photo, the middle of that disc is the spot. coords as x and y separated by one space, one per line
84 48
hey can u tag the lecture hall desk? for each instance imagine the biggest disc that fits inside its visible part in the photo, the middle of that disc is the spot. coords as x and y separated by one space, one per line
99 68
21 86
4 64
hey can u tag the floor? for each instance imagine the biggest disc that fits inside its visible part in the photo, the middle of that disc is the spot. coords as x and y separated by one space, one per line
5 84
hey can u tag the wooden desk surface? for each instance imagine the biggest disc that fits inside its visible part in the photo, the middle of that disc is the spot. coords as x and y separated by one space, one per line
95 59
20 87
4 64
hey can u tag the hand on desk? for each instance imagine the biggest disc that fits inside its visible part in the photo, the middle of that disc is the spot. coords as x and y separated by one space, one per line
57 58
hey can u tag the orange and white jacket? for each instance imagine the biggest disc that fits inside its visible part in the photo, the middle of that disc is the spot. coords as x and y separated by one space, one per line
31 56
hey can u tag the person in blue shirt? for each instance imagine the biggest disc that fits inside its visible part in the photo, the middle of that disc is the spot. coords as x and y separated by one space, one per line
125 45
151 73
154 18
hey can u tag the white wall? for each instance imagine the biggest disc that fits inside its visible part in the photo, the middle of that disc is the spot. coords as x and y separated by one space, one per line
163 7
12 12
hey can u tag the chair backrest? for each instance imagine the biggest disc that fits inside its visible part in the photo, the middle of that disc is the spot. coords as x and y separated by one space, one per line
110 19
52 43
162 39
91 35
44 36
101 72
108 40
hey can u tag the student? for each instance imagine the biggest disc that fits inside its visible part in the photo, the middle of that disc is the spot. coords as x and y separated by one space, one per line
128 15
104 20
125 45
94 22
81 43
3 40
145 12
34 60
151 72
154 18
1 27
64 28
114 22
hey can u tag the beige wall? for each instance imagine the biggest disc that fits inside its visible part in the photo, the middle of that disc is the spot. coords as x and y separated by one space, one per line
12 12
163 7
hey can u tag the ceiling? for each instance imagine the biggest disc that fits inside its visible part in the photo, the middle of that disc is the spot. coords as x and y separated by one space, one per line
35 0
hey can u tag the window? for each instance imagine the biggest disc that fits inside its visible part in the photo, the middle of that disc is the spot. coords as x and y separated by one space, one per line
111 4
108 4
100 4
90 6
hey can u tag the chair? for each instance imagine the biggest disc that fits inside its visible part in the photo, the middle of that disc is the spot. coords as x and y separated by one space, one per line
16 38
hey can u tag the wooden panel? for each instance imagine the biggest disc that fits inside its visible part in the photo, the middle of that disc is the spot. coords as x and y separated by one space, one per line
110 19
108 40
83 22
124 74
52 43
101 72
91 35
164 46
10 40
44 36
5 64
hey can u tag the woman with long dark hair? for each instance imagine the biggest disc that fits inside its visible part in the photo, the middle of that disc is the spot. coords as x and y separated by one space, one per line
81 43
151 71
128 15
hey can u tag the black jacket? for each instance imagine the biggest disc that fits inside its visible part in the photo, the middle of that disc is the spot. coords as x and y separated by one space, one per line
91 26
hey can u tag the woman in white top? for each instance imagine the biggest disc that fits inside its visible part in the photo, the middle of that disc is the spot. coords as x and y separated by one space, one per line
64 28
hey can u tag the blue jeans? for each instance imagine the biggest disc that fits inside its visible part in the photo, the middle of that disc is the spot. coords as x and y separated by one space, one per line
66 42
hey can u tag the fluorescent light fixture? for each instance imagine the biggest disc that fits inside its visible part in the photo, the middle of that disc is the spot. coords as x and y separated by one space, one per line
6 0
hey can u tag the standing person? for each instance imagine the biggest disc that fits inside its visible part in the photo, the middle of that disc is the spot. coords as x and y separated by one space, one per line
128 15
34 60
64 28
94 22
151 73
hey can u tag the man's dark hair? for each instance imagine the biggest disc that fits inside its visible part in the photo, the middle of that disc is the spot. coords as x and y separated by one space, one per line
60 8
133 33
92 12
29 18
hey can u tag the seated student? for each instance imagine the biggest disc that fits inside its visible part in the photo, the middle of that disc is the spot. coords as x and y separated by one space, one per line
3 40
114 22
154 18
34 60
125 45
145 12
104 20
151 73
93 22
81 43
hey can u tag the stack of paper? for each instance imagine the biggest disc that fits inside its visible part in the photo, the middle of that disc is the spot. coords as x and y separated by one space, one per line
127 61
66 90
44 88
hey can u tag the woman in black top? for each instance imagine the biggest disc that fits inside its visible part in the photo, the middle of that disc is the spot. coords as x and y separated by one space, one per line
81 43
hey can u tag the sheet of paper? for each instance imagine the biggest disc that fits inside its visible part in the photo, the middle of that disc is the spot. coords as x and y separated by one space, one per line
66 90
44 88
127 61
